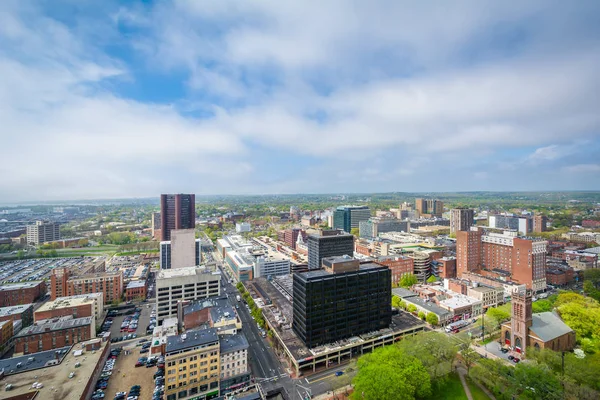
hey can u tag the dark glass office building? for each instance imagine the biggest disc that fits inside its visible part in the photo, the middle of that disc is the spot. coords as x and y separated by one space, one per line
177 211
334 306
331 243
348 217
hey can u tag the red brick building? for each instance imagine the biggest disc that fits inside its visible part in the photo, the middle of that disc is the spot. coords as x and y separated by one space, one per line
447 267
290 236
522 260
559 276
399 265
540 223
590 223
76 308
363 247
135 290
54 334
64 284
21 293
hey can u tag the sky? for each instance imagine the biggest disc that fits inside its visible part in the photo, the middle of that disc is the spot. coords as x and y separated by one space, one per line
116 99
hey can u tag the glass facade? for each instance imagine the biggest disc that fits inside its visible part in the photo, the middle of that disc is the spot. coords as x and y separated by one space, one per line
331 307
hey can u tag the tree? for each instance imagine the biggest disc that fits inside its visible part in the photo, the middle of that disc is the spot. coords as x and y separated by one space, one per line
408 280
432 319
422 315
402 305
396 301
498 313
83 242
411 308
435 351
389 373
354 231
432 279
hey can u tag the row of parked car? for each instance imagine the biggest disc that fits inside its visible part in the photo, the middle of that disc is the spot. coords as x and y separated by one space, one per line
159 379
134 394
130 323
107 371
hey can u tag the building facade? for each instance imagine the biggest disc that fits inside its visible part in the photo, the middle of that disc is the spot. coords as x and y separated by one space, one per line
290 236
21 293
136 290
192 365
174 285
23 313
42 232
540 223
427 208
177 211
348 217
330 306
398 265
64 284
330 243
461 219
54 334
371 228
87 305
166 255
235 371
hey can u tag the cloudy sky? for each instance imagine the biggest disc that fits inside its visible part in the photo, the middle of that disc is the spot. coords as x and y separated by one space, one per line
105 99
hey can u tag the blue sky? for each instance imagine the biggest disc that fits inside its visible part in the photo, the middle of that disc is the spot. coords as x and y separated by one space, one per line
130 99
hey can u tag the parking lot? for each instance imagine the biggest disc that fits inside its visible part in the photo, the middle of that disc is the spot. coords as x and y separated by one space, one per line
31 270
126 374
143 321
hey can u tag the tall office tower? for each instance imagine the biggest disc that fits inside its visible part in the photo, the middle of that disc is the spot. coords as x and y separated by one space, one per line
342 300
330 243
42 232
428 208
540 223
468 250
155 225
461 219
177 211
348 217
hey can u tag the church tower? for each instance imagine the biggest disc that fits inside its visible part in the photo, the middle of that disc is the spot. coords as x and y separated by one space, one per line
521 319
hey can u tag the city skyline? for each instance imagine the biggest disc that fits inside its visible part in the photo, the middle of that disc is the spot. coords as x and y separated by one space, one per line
128 99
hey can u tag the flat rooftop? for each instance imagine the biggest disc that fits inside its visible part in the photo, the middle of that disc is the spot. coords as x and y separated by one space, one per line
4 311
60 324
20 285
136 284
231 343
63 302
191 338
57 385
40 360
183 272
362 268
280 317
459 300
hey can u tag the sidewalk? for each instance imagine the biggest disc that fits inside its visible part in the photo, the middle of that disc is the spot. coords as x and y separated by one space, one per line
461 374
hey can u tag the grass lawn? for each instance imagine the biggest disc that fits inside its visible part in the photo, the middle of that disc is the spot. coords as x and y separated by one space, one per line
476 392
451 390
136 252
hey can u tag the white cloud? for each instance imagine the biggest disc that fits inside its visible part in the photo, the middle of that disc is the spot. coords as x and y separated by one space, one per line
340 82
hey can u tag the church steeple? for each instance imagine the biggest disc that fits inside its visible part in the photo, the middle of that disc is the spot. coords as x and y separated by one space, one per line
521 319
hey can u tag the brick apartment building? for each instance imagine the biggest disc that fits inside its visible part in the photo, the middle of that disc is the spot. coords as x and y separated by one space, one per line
590 223
53 334
290 236
559 276
21 293
522 260
63 284
398 265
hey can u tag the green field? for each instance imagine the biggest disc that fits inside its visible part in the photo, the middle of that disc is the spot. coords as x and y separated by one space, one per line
476 392
451 390
88 251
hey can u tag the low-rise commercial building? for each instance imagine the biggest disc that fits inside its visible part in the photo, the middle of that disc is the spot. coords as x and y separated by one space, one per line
21 293
235 372
180 284
444 316
398 265
52 334
215 312
462 307
489 297
135 290
23 313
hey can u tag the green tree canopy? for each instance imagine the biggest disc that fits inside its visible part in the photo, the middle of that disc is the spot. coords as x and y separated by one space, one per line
432 279
411 308
435 350
500 314
422 315
389 373
408 280
396 301
432 319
